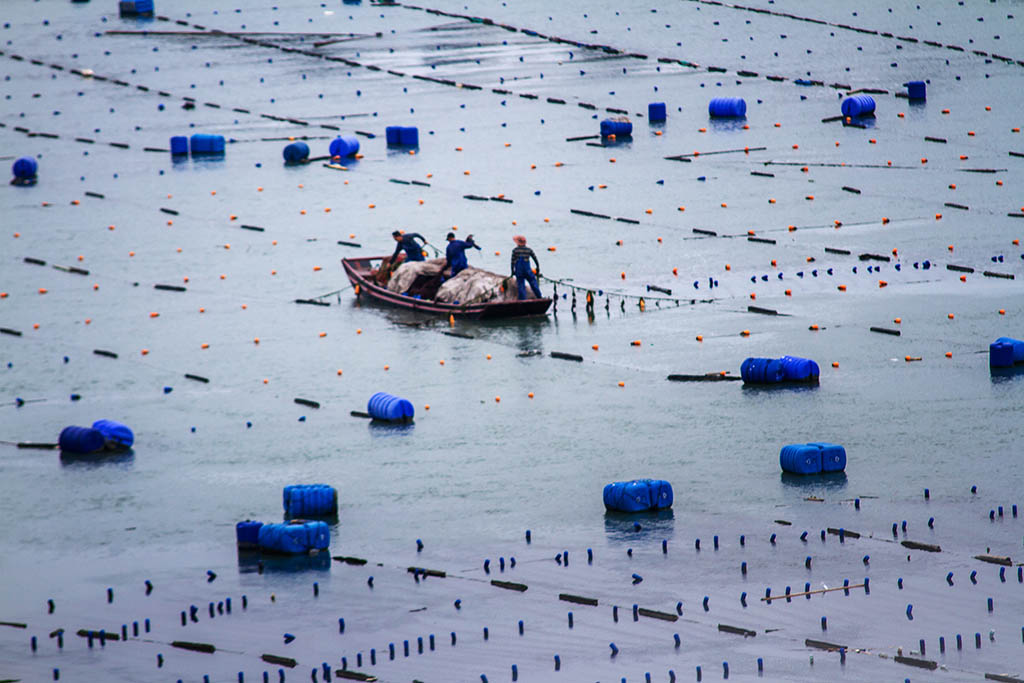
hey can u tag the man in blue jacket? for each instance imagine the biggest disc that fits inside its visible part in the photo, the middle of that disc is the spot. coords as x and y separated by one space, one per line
407 241
521 256
455 253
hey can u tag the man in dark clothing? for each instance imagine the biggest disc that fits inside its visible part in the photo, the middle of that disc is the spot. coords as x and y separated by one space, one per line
455 253
521 256
413 251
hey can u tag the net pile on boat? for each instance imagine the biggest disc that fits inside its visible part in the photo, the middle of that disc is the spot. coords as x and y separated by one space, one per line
406 273
473 285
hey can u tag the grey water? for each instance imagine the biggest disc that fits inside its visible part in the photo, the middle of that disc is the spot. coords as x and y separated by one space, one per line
506 440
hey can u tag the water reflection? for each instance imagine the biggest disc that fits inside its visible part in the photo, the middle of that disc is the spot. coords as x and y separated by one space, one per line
385 429
1006 375
123 458
621 527
255 562
809 484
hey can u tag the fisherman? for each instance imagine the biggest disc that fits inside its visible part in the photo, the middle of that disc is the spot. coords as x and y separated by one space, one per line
521 256
455 253
407 241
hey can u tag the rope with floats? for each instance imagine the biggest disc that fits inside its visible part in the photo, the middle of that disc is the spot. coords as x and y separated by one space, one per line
590 294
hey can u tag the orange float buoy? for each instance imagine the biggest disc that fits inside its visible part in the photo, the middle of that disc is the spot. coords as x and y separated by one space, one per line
594 347
204 345
950 247
723 205
1002 311
488 356
497 399
753 295
963 278
144 352
897 320
774 263
323 334
623 275
339 372
317 268
884 220
659 240
387 367
635 342
744 333
530 395
441 361
154 314
835 364
938 216
682 208
700 337
949 315
43 290
675 271
882 283
622 384
358 331
255 340
553 248
728 267
789 292
813 328
949 354
771 201
841 288
751 233
791 228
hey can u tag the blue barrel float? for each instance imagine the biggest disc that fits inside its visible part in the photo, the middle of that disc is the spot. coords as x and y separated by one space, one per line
620 127
727 108
344 146
179 145
136 8
638 495
24 170
206 144
247 534
103 435
402 136
1005 352
656 112
294 538
382 406
785 370
916 91
858 105
812 458
295 152
310 500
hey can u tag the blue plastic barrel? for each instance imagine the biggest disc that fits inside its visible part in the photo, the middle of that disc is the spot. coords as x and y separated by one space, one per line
1000 355
638 495
409 136
247 533
310 500
25 168
81 440
916 90
344 146
727 107
115 434
799 369
858 105
294 538
833 456
204 143
129 8
179 145
393 135
296 152
656 112
620 128
800 459
762 371
382 406
1018 348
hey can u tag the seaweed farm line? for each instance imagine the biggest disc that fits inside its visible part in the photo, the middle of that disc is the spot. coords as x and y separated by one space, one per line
778 237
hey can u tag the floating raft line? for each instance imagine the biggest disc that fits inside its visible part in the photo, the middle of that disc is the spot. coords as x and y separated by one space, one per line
769 598
745 632
197 378
762 311
919 663
928 138
12 332
70 269
567 356
823 645
170 288
194 647
577 599
959 269
885 330
692 155
307 402
854 190
13 624
354 675
312 302
927 547
656 614
874 257
709 377
954 205
762 240
280 661
762 174
354 561
350 244
425 572
254 228
845 532
701 231
995 559
835 165
1005 678
510 585
833 250
102 352
1005 276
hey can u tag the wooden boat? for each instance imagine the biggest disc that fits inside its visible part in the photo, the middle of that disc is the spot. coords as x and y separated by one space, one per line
358 271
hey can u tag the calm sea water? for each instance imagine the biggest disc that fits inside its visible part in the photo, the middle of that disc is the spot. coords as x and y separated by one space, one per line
474 471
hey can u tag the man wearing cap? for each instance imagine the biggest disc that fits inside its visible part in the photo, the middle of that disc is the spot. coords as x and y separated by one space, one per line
407 241
521 256
455 253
